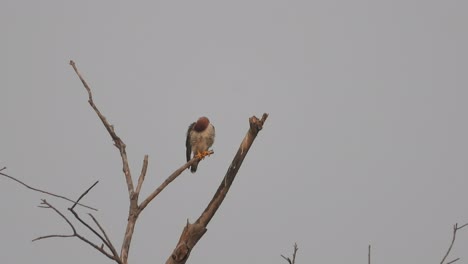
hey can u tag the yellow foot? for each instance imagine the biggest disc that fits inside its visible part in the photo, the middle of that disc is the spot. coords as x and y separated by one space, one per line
203 154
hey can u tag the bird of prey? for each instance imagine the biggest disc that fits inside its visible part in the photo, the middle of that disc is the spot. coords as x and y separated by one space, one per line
200 137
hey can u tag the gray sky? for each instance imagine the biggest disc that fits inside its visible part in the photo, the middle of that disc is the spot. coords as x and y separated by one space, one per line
365 144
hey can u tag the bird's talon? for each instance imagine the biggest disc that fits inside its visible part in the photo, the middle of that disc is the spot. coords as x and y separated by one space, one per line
203 154
199 155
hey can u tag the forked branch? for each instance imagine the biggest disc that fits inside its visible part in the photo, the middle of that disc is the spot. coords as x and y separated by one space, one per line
454 235
105 241
134 209
135 213
118 142
293 260
45 204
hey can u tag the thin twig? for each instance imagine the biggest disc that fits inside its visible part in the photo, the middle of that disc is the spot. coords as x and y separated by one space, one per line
83 194
169 179
287 259
453 261
4 168
48 205
111 247
295 251
75 234
368 255
293 260
83 222
45 192
51 236
454 235
100 249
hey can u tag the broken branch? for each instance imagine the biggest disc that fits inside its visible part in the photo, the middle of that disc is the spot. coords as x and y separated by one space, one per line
192 233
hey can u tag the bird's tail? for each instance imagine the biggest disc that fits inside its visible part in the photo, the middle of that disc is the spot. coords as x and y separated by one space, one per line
193 169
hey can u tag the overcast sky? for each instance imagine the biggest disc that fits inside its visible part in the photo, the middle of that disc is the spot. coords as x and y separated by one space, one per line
366 142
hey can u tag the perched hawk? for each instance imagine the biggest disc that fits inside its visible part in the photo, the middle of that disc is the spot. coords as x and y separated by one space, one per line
200 137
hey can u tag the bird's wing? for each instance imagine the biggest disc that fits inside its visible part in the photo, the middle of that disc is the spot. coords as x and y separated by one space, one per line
212 138
188 145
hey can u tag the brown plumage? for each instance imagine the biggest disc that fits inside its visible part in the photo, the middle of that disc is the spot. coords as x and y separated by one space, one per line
200 137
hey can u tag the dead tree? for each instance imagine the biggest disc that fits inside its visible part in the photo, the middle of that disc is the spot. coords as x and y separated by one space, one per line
191 233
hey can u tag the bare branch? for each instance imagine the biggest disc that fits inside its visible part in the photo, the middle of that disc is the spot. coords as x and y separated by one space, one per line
51 236
4 168
110 129
100 249
169 179
142 175
45 192
293 260
48 205
75 234
83 194
111 247
287 259
105 240
71 209
453 261
454 235
368 255
192 233
295 251
136 210
118 142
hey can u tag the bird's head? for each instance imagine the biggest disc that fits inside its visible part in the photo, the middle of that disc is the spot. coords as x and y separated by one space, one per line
201 124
